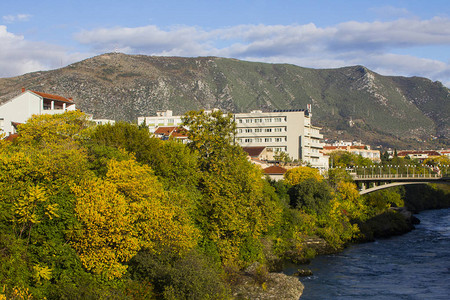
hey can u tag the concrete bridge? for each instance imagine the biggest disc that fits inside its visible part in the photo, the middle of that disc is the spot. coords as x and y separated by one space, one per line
384 181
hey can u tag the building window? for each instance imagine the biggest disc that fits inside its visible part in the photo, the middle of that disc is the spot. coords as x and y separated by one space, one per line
278 129
268 140
258 129
278 140
258 120
248 130
248 120
240 120
240 130
267 129
247 140
268 120
258 140
278 120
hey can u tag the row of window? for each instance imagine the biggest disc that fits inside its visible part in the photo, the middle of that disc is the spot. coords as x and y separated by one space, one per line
263 140
262 120
257 130
277 149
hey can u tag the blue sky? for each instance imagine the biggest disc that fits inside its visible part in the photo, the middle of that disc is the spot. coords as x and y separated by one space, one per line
408 38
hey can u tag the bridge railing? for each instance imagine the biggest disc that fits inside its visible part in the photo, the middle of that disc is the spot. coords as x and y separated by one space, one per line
396 176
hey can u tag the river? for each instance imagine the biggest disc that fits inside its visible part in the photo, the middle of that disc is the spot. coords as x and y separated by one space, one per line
412 266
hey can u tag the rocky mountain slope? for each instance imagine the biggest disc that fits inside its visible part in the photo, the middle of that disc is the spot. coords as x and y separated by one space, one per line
349 103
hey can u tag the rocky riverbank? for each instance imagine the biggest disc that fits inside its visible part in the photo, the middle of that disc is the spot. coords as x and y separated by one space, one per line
258 284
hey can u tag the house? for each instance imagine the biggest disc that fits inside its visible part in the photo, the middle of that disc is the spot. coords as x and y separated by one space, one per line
259 153
363 150
164 118
171 132
275 172
420 155
20 108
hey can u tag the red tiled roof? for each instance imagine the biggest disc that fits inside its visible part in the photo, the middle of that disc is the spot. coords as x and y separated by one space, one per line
53 97
275 170
165 130
342 147
11 137
171 131
428 152
15 124
254 151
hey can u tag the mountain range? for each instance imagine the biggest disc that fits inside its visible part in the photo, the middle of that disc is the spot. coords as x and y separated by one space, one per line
349 103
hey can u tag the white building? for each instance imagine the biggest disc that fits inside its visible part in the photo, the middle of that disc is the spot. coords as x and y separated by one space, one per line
19 109
287 131
103 121
162 119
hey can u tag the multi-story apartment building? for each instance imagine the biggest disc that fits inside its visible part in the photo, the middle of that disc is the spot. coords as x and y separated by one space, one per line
287 131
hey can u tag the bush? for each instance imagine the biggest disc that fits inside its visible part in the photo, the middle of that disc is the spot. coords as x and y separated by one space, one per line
193 276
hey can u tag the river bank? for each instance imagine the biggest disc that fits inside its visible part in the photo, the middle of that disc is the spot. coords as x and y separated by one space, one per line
410 266
395 221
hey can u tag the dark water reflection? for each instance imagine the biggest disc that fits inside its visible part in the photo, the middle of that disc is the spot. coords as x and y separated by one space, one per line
412 266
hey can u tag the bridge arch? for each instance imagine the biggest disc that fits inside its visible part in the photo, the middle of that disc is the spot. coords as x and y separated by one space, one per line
384 182
387 185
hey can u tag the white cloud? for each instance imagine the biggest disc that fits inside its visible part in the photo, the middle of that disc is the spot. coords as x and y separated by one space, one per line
306 45
19 56
371 44
16 18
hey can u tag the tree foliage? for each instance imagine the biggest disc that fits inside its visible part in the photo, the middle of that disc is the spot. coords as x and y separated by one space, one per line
236 206
297 175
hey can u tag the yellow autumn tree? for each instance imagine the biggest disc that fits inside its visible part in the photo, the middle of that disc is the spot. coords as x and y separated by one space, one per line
124 213
296 175
350 200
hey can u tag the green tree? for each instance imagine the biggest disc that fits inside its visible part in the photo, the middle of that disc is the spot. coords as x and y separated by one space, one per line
237 206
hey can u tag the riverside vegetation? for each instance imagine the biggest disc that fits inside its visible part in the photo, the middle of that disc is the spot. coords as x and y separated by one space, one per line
109 212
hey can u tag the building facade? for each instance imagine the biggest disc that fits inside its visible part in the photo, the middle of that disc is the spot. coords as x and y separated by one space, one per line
287 131
364 151
162 119
20 108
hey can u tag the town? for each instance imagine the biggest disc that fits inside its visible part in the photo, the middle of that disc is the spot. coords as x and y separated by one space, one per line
276 140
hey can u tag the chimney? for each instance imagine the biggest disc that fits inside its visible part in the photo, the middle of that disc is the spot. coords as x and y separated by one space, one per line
23 90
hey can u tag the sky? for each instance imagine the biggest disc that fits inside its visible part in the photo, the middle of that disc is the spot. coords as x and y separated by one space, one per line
406 38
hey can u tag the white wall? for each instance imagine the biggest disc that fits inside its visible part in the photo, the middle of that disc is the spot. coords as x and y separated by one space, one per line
19 109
